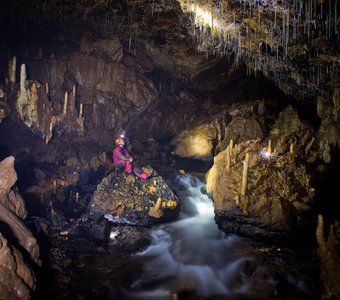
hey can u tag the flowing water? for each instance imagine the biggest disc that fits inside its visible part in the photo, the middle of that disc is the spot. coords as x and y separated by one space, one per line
190 257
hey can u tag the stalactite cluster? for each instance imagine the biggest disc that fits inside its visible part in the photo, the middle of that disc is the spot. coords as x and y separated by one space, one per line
268 33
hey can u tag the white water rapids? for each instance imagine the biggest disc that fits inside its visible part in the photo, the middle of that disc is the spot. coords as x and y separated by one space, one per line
192 254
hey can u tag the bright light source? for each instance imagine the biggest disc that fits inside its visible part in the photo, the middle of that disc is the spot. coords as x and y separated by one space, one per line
267 154
203 16
113 235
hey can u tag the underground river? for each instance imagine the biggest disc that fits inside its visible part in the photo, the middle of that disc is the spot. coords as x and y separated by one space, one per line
192 259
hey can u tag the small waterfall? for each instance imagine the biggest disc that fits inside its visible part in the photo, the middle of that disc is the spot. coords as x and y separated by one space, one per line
192 259
193 255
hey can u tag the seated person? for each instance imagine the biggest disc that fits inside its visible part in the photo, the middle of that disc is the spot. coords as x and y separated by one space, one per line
123 160
121 156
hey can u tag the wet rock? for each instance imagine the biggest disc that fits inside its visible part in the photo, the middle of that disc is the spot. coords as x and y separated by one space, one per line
15 223
279 192
328 251
126 196
17 279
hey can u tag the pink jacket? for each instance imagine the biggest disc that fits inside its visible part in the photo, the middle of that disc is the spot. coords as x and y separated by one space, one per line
118 152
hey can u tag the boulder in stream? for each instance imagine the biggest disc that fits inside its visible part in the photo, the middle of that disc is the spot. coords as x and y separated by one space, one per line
126 199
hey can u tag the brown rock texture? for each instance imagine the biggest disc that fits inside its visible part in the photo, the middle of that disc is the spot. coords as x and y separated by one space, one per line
135 201
328 251
17 279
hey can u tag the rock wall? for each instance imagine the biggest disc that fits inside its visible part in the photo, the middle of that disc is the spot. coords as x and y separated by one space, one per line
17 279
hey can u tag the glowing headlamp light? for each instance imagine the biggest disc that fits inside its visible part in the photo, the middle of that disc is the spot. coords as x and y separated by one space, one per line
267 154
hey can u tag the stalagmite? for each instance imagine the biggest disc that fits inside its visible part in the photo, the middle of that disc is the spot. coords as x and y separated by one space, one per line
231 147
245 175
23 78
65 103
309 145
291 148
77 197
320 233
80 110
22 99
174 297
74 90
12 66
156 210
269 147
50 133
47 90
228 157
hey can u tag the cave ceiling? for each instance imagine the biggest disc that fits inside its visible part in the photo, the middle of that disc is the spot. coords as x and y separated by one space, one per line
293 43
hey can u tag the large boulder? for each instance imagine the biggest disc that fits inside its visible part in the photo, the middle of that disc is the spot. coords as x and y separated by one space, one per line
276 197
265 188
127 199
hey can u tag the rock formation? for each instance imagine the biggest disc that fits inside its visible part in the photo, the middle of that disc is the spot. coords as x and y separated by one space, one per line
215 77
135 201
17 280
329 259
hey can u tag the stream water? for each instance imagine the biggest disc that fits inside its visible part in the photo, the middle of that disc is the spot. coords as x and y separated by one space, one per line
192 256
190 259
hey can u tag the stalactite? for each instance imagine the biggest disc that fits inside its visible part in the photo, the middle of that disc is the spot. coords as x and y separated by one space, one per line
23 78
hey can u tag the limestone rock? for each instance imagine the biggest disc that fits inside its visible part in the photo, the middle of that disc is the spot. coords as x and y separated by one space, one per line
328 251
129 199
202 141
288 129
16 279
4 110
278 193
196 143
8 177
107 49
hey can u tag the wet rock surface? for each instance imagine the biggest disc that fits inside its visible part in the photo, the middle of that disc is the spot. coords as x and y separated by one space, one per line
19 249
133 201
